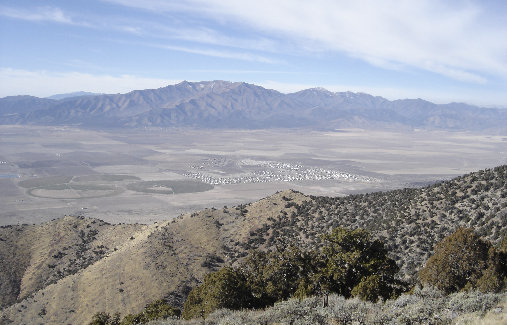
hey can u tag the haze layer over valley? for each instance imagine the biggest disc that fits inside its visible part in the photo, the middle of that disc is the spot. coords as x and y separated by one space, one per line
152 174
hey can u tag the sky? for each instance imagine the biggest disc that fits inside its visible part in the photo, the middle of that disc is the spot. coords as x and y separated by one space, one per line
441 51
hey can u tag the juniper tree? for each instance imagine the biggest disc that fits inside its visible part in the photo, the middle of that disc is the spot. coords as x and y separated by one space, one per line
463 261
225 288
356 265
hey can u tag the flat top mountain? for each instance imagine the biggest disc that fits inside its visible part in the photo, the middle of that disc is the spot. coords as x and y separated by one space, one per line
66 270
238 105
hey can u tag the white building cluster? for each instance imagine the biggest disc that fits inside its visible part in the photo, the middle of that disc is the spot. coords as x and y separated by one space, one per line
272 171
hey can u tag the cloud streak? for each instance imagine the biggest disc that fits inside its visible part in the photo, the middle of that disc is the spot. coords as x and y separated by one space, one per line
206 35
220 54
153 30
448 39
38 14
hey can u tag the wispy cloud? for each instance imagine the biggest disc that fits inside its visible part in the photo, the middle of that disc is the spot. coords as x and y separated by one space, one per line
148 29
452 39
50 14
229 71
207 35
220 54
157 5
458 74
44 83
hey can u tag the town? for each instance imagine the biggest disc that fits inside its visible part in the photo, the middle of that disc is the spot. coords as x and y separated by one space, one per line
272 171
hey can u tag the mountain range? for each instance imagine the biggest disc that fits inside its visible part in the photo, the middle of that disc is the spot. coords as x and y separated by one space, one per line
66 270
223 104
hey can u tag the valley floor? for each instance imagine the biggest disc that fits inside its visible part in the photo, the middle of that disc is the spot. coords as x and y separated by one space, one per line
123 175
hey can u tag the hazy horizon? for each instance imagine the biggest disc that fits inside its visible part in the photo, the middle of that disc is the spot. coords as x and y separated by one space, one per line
77 93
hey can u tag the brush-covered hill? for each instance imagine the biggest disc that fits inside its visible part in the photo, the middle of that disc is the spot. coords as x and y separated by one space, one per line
66 270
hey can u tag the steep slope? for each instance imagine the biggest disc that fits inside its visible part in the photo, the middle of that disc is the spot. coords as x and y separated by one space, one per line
239 106
35 256
106 110
160 260
13 106
410 221
167 259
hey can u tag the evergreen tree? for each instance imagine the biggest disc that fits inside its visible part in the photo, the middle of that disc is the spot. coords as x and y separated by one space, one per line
463 261
356 265
225 288
350 263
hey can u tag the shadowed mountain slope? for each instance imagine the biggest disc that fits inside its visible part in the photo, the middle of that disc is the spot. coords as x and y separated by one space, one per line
222 104
66 270
35 256
14 106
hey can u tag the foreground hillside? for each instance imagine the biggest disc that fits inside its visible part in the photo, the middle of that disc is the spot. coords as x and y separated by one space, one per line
66 270
410 221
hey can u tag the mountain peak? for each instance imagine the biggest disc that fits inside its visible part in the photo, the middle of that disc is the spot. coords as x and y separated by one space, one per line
321 91
208 86
220 103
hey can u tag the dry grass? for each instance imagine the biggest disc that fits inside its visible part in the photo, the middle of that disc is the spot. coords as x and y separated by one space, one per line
66 270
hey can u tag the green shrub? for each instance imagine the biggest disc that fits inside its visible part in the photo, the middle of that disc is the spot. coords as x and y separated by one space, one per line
491 280
159 309
278 275
225 288
371 289
103 318
156 310
463 261
503 244
352 261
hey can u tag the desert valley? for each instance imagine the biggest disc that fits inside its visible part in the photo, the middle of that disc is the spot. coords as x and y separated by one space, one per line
109 219
220 162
